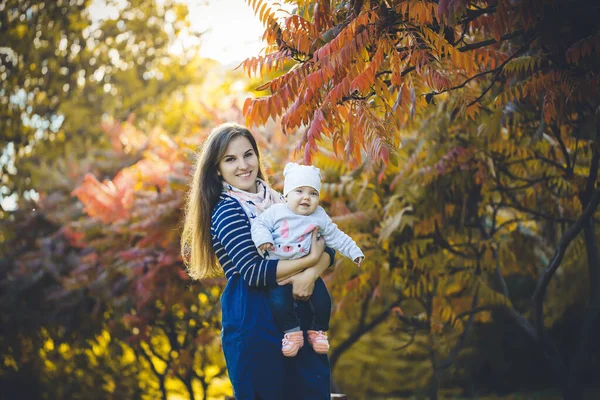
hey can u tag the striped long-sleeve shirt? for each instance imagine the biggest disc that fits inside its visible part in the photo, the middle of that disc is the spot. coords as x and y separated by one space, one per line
233 245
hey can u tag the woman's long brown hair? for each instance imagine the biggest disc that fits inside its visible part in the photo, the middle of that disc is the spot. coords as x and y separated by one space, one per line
204 192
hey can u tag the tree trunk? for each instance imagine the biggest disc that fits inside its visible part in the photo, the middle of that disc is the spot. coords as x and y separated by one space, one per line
161 377
575 386
163 389
188 385
204 389
434 384
561 370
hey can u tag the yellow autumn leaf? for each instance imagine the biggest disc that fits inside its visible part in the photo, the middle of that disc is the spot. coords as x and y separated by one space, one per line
453 288
21 30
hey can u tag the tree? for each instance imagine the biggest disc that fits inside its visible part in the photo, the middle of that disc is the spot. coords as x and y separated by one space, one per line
108 288
65 74
484 164
42 43
174 332
72 302
123 69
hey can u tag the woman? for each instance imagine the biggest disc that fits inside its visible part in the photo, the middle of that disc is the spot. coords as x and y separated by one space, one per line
227 190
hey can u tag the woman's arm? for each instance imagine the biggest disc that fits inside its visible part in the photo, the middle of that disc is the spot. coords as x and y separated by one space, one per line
233 233
303 283
325 261
235 249
288 268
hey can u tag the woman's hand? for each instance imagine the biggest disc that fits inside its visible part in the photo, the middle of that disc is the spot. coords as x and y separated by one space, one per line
303 284
288 269
317 248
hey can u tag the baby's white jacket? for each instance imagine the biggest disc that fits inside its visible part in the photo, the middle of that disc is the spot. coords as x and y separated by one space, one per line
290 233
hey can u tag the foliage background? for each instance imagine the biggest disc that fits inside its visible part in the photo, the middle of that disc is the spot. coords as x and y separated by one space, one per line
459 146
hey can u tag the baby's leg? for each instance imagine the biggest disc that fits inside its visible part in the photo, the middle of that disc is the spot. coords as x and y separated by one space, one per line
281 301
321 306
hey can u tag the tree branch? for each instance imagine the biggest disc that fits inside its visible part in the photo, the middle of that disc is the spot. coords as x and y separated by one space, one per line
476 310
564 150
544 280
358 333
500 68
462 85
474 14
564 242
439 240
521 321
161 377
413 334
593 261
446 363
535 213
484 43
499 275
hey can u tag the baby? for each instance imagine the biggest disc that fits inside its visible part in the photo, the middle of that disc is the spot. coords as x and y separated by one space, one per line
284 231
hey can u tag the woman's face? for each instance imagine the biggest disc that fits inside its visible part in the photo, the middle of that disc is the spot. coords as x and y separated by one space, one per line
239 165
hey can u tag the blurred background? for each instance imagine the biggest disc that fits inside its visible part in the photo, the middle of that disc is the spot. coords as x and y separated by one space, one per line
103 106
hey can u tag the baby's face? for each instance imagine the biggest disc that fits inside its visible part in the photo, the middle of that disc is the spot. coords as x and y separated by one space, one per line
303 200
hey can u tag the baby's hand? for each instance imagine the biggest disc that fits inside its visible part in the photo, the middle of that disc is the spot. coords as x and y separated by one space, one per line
359 261
266 247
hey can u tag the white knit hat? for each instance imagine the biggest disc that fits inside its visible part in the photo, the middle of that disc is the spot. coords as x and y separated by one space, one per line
296 175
